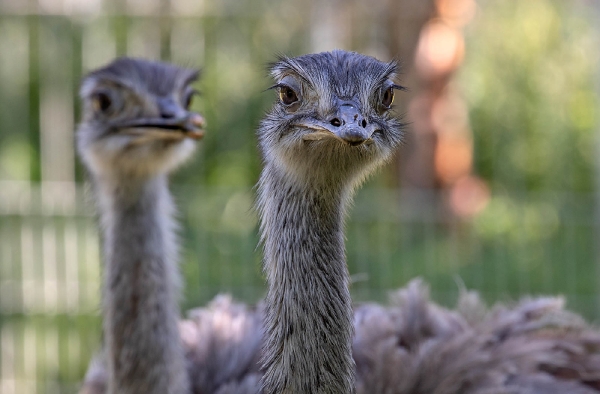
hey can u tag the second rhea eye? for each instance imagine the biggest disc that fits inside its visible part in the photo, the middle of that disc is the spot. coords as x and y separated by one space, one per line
189 98
287 95
388 97
102 101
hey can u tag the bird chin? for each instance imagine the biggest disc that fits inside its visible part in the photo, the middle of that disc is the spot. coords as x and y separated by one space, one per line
145 152
183 151
162 155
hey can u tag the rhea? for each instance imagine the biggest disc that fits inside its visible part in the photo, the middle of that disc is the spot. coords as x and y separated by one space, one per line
136 128
330 129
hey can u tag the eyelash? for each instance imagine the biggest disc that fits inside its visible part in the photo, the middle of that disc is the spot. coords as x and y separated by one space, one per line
187 101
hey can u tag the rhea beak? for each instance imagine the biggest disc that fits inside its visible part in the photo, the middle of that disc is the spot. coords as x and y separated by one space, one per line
174 122
190 126
347 125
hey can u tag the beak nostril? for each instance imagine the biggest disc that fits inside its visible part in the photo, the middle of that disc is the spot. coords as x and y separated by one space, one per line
363 123
336 122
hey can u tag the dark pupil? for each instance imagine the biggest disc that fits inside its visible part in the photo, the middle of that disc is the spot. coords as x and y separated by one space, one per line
288 96
387 98
188 101
103 101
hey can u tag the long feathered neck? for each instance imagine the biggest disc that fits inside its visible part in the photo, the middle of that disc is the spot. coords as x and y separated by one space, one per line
308 309
141 288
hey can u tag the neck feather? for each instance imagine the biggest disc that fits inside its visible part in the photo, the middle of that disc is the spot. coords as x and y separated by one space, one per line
141 288
309 312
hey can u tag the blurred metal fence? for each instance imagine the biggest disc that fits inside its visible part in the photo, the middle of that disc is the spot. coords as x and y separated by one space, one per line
50 272
49 286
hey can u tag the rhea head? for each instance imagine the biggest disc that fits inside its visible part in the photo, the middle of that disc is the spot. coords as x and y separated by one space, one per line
136 120
332 123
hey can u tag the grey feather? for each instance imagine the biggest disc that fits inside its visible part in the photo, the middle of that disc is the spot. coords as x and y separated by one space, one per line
429 349
411 346
223 344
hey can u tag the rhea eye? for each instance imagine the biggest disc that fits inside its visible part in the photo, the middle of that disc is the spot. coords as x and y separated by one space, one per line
287 95
189 98
101 101
388 97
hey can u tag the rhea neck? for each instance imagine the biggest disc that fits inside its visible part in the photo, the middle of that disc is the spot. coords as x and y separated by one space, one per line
309 313
140 286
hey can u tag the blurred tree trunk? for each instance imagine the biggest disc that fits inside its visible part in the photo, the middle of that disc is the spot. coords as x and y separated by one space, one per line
428 37
406 21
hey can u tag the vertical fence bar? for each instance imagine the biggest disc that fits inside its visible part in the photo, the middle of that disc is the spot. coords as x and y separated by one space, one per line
596 226
7 359
166 25
120 22
33 127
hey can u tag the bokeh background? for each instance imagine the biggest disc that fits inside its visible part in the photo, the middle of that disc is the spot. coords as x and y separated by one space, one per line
495 189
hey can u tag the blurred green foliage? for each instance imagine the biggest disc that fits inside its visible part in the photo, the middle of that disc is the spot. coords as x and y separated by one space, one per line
530 82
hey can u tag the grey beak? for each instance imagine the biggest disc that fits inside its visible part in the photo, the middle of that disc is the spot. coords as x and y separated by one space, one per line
350 125
172 117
